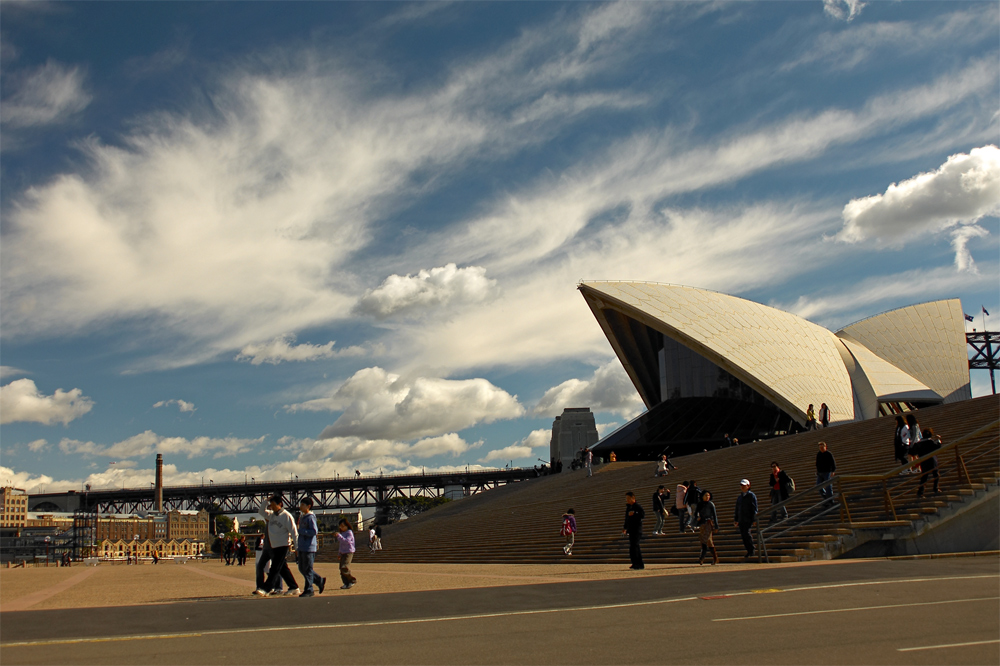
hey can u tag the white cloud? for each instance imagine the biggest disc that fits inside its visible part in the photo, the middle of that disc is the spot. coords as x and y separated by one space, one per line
21 401
605 428
354 449
148 443
38 445
7 371
380 405
959 241
526 448
962 191
844 10
182 405
282 348
608 390
49 94
428 290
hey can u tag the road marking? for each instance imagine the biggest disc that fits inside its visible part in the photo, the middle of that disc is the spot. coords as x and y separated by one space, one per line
856 608
35 598
949 645
451 618
770 590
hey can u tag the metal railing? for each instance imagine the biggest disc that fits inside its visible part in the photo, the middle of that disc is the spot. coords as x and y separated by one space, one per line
893 486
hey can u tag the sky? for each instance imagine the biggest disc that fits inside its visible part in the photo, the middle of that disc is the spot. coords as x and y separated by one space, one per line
289 239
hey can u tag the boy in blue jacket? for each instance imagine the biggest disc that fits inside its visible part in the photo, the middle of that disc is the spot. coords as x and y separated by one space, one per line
306 548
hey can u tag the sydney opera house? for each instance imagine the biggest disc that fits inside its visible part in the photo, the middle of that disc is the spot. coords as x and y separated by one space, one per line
707 364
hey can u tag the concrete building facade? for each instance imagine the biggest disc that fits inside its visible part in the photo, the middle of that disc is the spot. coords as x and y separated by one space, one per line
573 430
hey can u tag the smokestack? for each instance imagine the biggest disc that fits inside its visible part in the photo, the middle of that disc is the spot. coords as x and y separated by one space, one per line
158 497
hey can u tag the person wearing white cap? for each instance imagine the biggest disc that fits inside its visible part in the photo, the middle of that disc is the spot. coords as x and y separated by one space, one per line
745 515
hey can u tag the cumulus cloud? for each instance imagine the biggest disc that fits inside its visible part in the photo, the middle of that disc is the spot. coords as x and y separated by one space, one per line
427 290
21 401
48 94
148 443
354 449
963 190
380 405
182 405
282 348
844 10
525 448
608 390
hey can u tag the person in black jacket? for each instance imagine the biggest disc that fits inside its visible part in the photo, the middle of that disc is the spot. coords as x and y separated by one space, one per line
928 444
779 483
659 509
692 498
633 528
826 467
745 515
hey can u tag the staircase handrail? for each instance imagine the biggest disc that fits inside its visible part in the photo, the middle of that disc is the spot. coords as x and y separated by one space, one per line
875 478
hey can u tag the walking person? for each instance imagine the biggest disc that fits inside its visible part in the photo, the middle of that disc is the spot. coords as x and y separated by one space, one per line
780 483
911 436
824 415
661 467
927 444
633 528
371 539
691 499
660 509
826 467
345 541
745 515
680 505
378 537
588 460
262 564
708 524
306 548
568 530
810 418
898 448
282 533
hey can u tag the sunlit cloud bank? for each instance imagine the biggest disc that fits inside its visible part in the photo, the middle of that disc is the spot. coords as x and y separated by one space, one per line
147 443
609 390
427 291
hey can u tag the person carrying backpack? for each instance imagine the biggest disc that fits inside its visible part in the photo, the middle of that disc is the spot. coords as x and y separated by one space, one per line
569 530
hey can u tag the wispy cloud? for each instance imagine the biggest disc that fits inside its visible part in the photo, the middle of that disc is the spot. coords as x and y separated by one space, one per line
182 405
146 443
48 94
845 10
282 348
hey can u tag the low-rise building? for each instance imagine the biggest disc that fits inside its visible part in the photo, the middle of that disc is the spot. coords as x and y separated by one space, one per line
15 507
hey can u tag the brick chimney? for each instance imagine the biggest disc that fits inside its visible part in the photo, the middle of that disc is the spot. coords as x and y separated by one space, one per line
158 496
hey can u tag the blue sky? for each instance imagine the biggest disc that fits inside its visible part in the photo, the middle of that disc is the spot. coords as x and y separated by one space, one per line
273 239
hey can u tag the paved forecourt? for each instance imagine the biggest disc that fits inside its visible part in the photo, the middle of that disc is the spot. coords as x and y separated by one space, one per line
934 611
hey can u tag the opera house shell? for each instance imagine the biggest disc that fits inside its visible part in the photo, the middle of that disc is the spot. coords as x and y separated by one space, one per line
708 364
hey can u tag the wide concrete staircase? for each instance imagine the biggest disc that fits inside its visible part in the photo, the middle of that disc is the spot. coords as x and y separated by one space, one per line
519 523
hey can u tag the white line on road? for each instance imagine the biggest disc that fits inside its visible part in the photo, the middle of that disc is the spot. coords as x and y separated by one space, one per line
856 608
949 645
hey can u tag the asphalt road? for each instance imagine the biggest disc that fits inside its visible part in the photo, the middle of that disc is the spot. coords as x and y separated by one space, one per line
944 611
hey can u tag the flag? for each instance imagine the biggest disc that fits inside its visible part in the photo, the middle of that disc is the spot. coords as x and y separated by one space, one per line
969 318
985 312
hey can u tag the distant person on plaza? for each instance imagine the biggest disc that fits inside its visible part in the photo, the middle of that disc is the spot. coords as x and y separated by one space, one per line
633 528
926 445
898 447
708 524
824 415
357 473
727 440
568 530
612 457
826 467
156 558
810 418
282 533
736 442
680 505
345 547
660 509
745 515
371 539
588 461
306 548
691 499
780 484
378 537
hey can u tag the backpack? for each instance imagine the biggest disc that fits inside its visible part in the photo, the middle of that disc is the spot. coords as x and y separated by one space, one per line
567 527
791 484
